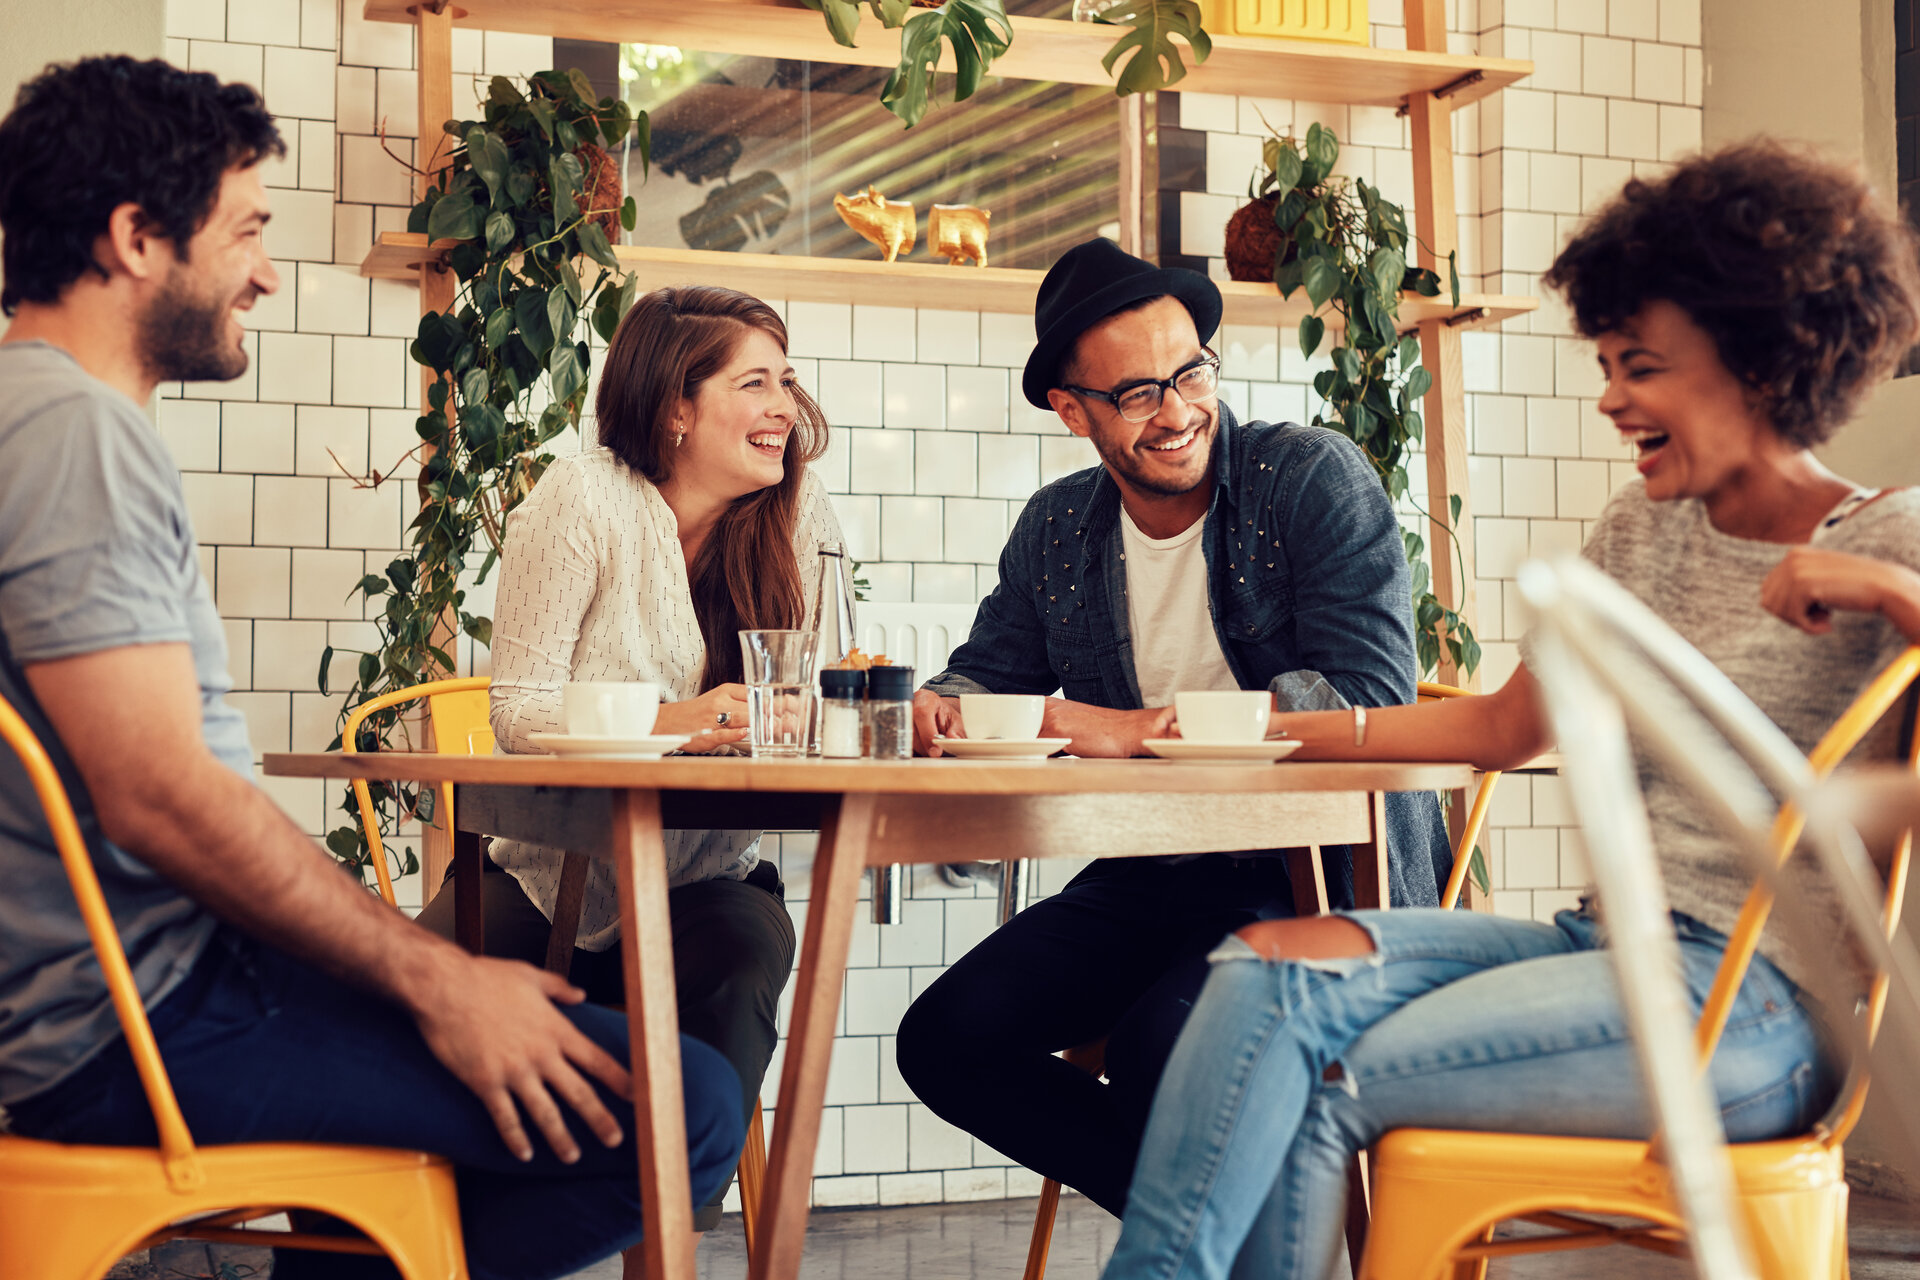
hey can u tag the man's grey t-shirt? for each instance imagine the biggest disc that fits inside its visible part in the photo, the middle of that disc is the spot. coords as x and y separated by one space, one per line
96 553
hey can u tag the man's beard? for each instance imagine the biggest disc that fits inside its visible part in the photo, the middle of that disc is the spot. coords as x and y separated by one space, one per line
1128 464
183 337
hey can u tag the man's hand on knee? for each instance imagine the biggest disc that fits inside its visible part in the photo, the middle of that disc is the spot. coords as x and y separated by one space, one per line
494 1025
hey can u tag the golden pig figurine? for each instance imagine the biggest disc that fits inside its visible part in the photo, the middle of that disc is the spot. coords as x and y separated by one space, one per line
958 231
887 223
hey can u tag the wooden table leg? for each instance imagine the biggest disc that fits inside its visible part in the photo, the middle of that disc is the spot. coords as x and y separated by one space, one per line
1370 887
1359 1208
469 923
838 862
653 1023
567 902
1309 877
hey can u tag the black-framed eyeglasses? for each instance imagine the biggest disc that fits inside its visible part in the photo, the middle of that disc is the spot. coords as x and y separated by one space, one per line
1138 401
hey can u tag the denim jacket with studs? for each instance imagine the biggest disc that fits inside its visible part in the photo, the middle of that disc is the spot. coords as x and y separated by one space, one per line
1308 583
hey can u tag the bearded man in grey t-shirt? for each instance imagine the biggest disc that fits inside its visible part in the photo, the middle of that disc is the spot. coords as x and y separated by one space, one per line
134 217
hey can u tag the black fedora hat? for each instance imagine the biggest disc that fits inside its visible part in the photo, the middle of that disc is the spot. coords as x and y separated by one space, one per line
1090 282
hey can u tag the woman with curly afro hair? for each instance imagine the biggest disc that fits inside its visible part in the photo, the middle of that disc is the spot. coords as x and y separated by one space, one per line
1740 307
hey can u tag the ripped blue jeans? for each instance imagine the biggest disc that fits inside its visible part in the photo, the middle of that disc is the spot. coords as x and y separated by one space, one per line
1457 1020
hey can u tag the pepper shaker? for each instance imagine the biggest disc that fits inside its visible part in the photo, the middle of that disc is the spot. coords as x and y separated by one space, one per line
890 712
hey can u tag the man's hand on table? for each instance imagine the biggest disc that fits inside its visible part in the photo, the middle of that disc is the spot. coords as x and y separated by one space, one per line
1103 731
934 717
493 1024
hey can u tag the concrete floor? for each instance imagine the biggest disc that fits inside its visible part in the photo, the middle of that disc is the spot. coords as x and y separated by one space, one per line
988 1241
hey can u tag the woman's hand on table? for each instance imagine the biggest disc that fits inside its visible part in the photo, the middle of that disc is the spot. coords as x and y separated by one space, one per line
1103 731
934 717
701 717
1809 585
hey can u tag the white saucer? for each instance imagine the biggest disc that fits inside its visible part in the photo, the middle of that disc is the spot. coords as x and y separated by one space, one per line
1001 748
1257 752
592 746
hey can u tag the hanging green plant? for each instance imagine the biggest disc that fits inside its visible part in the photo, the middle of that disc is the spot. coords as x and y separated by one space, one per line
533 200
1346 245
979 32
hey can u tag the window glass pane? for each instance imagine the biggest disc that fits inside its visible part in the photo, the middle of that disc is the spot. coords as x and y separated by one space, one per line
748 154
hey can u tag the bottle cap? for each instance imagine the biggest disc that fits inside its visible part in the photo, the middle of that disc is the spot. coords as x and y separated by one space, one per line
843 681
890 682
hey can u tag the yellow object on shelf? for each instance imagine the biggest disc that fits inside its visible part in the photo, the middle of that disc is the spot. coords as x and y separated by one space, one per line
1344 21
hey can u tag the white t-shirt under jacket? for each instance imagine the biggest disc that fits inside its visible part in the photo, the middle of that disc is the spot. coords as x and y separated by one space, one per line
1175 647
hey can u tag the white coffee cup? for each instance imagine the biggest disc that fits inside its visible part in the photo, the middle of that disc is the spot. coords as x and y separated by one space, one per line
1002 715
610 708
1223 717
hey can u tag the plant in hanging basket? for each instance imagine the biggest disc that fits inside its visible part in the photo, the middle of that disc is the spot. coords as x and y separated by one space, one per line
533 199
1256 247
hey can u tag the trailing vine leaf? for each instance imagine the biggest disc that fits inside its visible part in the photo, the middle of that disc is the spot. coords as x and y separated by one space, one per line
1312 328
1322 278
455 217
1155 61
489 157
1323 148
594 241
979 32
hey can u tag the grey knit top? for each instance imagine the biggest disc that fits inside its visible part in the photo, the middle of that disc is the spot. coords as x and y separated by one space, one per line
1706 585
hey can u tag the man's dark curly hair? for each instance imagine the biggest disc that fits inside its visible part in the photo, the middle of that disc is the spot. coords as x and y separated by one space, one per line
1808 284
84 138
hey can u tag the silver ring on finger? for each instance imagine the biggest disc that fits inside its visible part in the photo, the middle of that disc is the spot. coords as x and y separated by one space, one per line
723 718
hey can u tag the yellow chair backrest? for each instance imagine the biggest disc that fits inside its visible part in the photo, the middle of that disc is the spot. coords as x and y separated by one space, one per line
1879 697
1427 691
457 710
176 1143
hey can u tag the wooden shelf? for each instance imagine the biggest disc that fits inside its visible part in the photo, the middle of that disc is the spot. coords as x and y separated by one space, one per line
1043 48
915 284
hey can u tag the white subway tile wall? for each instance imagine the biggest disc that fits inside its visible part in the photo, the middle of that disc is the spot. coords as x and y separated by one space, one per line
934 449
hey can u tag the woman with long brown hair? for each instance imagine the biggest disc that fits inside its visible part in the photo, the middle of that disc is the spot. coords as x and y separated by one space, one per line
639 560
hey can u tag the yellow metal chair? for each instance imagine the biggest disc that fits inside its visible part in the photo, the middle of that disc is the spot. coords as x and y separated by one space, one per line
457 710
1091 1057
1427 691
461 726
1439 1194
67 1211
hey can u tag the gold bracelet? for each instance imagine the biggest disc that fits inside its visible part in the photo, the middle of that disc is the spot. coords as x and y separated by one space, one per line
1359 725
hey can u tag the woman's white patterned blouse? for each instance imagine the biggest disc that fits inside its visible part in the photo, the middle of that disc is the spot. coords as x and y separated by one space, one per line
593 586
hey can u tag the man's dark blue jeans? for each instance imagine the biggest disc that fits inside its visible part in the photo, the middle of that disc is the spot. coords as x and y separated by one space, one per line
262 1048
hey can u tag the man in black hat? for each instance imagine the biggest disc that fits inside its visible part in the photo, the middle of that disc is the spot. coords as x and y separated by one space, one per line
1202 553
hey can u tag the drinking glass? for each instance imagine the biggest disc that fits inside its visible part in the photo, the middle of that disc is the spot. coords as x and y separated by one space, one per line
778 669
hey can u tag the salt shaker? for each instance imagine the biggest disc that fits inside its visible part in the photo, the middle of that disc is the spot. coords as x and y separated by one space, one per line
890 712
843 706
